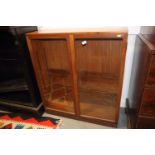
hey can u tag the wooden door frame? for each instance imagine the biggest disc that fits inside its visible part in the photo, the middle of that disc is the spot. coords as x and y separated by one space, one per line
38 71
112 36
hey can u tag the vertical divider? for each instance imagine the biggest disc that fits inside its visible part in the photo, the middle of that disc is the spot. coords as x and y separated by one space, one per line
72 57
123 57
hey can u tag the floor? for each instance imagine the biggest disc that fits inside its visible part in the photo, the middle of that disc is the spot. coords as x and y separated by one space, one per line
68 123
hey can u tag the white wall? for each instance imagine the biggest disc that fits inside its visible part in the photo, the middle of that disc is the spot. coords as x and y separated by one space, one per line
129 55
128 62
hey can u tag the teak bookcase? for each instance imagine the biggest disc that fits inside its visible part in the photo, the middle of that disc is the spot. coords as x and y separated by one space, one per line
140 105
80 72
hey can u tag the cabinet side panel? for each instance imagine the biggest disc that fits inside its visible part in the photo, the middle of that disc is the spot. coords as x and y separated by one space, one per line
138 75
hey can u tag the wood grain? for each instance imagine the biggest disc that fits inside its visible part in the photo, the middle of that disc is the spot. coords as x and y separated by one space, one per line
55 71
99 56
90 77
148 102
142 89
98 64
151 77
145 123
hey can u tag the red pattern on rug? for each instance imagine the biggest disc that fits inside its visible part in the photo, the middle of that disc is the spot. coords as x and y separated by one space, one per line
9 121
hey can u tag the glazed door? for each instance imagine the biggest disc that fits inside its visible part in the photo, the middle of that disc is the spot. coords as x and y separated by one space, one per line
53 59
98 68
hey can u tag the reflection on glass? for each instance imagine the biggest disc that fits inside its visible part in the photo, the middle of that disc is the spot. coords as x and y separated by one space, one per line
98 64
54 55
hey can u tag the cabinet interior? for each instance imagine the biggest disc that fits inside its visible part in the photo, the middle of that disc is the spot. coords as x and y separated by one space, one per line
57 72
98 67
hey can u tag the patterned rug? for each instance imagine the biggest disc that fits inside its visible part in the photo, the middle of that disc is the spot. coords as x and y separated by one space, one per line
20 121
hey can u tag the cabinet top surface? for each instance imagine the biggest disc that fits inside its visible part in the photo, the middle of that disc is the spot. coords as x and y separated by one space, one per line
82 30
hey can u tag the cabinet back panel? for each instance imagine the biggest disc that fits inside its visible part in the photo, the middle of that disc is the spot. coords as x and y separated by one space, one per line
99 56
56 54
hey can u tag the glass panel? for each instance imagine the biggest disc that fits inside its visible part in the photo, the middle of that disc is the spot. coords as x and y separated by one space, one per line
53 56
98 63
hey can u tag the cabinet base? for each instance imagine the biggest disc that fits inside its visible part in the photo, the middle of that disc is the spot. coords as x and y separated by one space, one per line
21 108
130 115
82 118
136 121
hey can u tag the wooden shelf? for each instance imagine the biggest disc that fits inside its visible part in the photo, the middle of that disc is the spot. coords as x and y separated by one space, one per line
61 94
61 105
98 104
98 82
13 86
20 97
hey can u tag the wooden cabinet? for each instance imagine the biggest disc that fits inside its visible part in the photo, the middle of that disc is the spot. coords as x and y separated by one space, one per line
80 72
148 102
18 87
151 76
141 98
